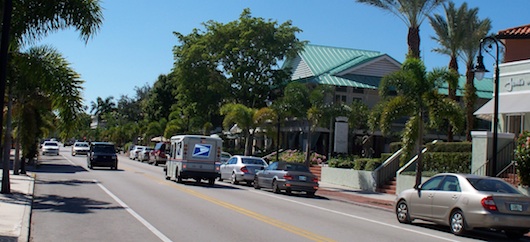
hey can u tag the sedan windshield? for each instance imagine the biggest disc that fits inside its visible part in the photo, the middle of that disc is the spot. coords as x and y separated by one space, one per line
104 149
297 167
492 185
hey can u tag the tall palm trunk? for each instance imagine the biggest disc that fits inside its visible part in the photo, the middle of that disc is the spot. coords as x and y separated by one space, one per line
7 135
470 98
451 92
419 148
308 145
413 40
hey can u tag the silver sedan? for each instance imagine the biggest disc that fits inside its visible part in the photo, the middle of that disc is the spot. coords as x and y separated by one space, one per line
287 176
464 202
241 168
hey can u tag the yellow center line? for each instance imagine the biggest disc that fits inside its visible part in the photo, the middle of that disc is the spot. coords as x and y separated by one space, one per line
274 222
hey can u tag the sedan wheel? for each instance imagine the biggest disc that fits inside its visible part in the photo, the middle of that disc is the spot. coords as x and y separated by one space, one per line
256 185
275 187
233 179
457 222
402 212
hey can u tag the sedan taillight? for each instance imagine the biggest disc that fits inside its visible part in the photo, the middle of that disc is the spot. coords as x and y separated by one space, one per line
315 179
488 203
287 177
244 169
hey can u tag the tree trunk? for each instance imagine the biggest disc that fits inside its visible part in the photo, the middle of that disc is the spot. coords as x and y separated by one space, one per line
7 135
413 40
470 97
18 165
308 145
419 147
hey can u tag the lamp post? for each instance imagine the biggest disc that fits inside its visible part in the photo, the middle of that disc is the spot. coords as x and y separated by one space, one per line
486 44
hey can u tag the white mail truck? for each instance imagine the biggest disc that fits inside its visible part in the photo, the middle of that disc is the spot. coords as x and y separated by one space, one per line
194 156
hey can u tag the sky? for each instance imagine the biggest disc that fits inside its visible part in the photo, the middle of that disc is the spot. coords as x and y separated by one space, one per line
134 44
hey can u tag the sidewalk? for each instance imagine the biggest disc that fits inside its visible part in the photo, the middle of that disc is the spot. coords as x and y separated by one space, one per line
15 208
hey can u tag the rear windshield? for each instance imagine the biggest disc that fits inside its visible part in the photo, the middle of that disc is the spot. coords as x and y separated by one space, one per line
81 145
253 161
492 185
104 149
296 167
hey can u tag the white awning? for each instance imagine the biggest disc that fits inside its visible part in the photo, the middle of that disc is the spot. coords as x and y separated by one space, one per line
509 103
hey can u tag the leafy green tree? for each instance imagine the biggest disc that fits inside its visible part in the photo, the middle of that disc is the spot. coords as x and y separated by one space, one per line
237 62
412 13
419 100
158 103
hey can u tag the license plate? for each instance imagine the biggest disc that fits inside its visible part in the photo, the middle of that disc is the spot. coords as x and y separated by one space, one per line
302 178
516 207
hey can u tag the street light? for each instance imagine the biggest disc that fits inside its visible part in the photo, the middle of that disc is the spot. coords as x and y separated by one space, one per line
486 44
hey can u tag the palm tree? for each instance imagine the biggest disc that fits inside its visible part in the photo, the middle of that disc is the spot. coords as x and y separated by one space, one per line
34 19
102 107
412 13
476 30
452 30
419 100
243 116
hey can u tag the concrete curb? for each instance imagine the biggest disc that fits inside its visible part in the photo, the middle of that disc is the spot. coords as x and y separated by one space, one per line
26 219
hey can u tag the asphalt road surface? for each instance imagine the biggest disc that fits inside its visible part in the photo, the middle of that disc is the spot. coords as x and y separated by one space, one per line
136 203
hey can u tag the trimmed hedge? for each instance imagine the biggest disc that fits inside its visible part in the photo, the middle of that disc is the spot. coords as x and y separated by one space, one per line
457 162
367 164
341 163
449 147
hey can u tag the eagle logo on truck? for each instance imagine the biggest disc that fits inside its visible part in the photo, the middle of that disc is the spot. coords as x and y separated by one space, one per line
201 150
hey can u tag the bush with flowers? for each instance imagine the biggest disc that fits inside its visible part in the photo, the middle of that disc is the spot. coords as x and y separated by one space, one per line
299 157
522 156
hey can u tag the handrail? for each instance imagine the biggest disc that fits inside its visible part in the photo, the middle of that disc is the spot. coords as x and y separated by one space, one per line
387 170
512 163
504 157
482 169
413 160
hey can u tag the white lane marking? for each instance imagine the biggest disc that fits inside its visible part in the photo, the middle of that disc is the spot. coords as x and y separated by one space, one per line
134 214
352 216
68 159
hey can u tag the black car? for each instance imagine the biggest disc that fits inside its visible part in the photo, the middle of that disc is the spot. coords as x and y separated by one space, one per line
102 154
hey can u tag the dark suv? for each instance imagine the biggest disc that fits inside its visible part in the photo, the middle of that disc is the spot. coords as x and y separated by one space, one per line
158 155
102 154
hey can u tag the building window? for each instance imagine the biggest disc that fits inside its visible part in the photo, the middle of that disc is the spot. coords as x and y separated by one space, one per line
340 98
514 124
341 89
358 90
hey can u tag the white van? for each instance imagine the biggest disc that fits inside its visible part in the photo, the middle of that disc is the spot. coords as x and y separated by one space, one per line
194 156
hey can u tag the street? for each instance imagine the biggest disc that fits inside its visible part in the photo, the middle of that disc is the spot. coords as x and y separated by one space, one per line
136 203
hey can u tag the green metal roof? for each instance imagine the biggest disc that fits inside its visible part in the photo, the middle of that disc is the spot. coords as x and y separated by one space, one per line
325 59
325 62
484 87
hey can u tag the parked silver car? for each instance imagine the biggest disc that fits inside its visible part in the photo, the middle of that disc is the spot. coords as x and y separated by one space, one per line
133 153
241 168
144 153
464 202
287 176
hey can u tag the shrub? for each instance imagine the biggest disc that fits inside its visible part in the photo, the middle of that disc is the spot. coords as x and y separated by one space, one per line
457 162
299 157
449 147
522 156
341 163
367 164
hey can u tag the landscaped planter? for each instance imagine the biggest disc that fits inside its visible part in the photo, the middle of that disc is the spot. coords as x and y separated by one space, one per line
363 180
